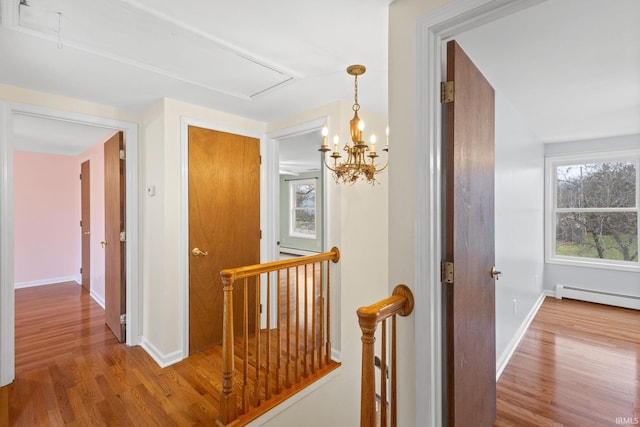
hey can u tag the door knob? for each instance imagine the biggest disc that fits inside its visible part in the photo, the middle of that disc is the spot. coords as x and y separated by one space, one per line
87 232
495 273
103 243
197 251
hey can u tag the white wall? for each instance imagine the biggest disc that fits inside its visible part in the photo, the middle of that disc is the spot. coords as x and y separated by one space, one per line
519 223
403 122
615 281
164 218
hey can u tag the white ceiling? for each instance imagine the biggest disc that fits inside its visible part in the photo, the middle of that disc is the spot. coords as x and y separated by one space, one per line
570 67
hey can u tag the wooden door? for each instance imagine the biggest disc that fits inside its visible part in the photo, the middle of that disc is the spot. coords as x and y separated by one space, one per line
224 224
114 194
470 310
85 224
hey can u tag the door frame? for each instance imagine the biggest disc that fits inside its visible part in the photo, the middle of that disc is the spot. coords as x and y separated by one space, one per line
265 244
7 301
273 163
432 30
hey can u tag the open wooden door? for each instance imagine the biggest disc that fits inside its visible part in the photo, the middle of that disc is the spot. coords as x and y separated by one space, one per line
85 224
469 282
115 248
224 227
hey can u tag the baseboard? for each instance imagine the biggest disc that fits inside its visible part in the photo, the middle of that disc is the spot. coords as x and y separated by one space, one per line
49 281
97 299
503 361
600 297
163 360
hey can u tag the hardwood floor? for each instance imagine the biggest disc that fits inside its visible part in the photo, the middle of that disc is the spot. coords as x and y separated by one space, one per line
70 370
577 365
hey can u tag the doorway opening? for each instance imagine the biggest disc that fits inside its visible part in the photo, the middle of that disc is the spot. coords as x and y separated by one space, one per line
10 141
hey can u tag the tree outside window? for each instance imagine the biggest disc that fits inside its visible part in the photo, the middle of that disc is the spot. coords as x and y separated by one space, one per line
303 208
595 214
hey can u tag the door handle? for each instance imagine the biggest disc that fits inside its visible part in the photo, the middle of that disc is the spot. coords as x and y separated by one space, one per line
495 273
87 232
197 251
103 243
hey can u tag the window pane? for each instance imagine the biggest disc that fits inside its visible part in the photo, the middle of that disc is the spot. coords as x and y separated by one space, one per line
305 222
305 196
597 185
602 235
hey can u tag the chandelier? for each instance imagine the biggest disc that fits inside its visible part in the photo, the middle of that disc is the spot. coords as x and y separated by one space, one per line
359 164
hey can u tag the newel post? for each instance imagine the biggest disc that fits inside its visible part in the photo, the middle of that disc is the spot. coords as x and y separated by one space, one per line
228 399
368 325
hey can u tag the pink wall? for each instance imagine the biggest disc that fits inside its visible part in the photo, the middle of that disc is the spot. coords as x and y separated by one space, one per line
46 218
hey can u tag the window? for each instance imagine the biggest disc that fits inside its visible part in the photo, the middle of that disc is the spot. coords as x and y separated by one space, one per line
303 208
592 211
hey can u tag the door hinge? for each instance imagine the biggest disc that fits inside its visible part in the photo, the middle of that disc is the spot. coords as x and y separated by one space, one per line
446 92
261 234
122 155
80 223
123 319
80 270
123 236
260 308
260 159
446 272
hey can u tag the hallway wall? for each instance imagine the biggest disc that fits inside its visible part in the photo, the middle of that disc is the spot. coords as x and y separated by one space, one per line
46 219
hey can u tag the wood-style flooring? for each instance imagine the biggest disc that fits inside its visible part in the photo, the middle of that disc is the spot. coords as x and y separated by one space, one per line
70 370
577 365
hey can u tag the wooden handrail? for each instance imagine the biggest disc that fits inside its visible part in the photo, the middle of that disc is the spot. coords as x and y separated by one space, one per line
316 341
230 275
400 302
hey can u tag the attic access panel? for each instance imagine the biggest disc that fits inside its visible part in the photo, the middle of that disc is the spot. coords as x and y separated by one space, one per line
147 39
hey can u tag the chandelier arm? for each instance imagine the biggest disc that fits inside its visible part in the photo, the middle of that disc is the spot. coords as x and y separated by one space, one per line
383 168
324 158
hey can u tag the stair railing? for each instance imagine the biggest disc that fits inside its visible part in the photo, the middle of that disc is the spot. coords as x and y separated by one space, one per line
284 351
377 408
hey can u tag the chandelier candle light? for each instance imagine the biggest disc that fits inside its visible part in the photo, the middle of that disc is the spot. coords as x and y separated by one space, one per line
356 166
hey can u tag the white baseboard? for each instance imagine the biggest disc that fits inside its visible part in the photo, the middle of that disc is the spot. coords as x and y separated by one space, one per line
49 281
163 360
600 297
97 298
503 361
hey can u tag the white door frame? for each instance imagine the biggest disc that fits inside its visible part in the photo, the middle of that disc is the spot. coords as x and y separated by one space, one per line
431 31
7 301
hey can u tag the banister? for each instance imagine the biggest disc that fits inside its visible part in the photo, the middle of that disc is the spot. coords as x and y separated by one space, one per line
400 302
310 295
230 275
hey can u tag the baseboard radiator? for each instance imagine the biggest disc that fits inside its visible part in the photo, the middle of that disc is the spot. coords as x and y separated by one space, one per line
608 298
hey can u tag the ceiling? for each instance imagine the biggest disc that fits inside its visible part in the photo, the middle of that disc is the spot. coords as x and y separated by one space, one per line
570 67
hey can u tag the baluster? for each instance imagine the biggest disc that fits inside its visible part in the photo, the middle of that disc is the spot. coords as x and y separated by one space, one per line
257 342
228 399
267 382
394 380
278 334
245 339
321 328
383 376
297 352
313 318
328 304
288 364
306 319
